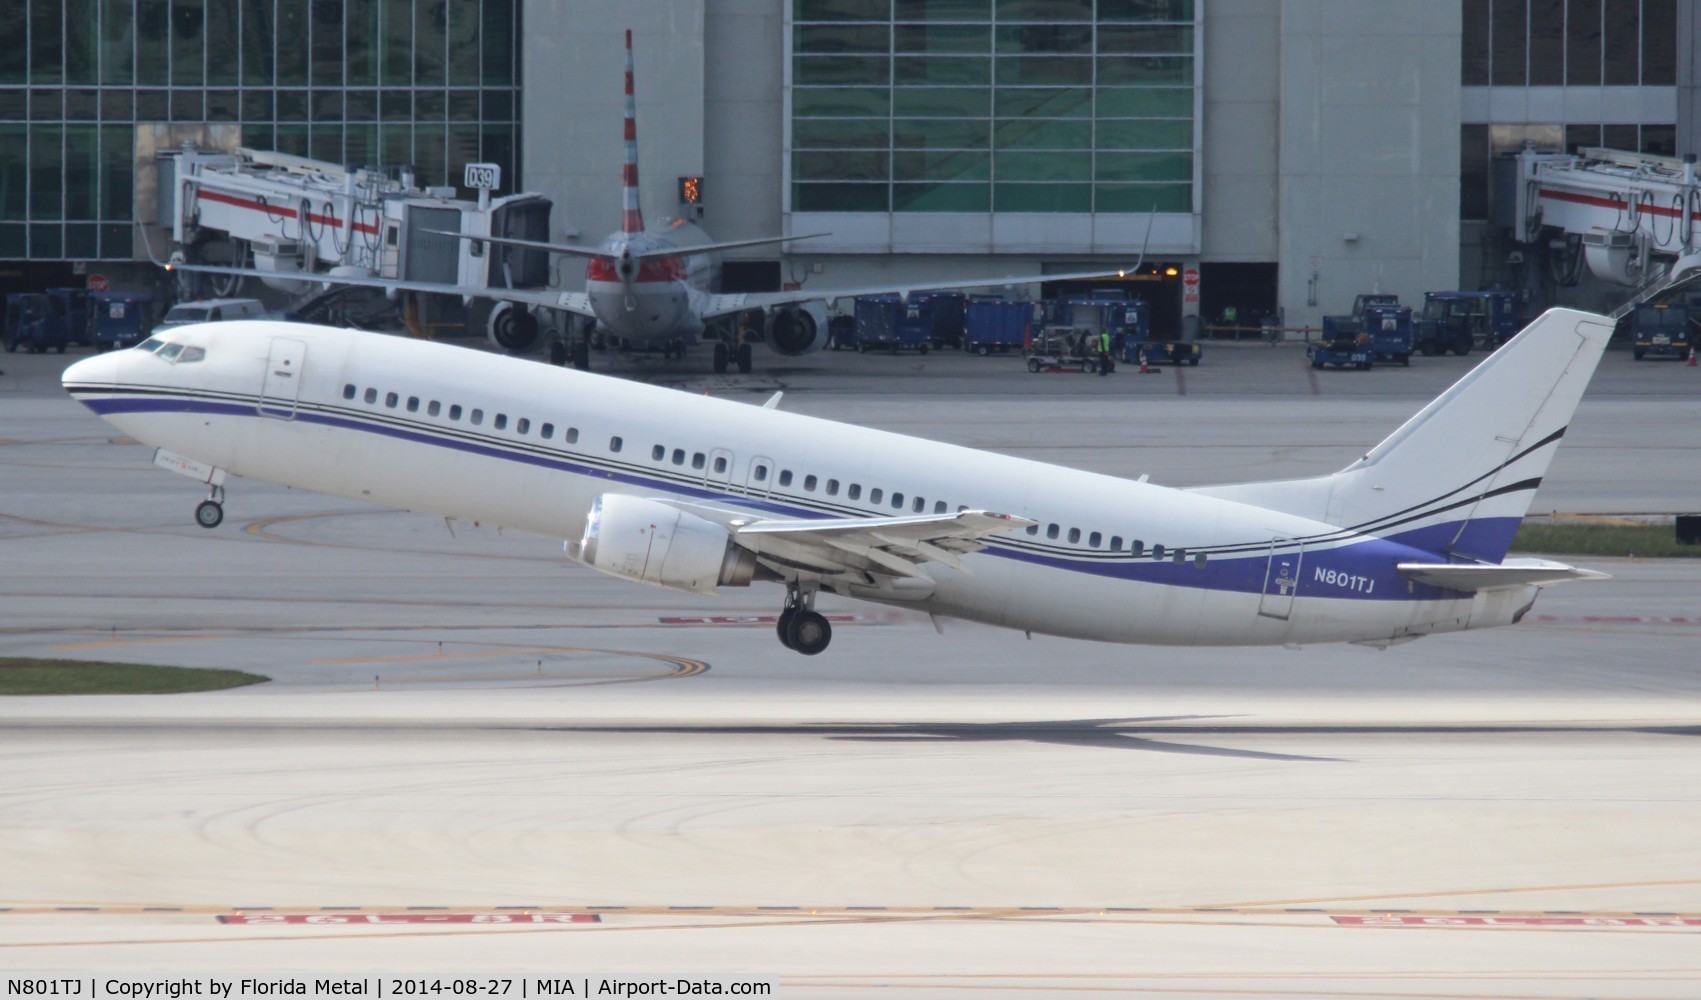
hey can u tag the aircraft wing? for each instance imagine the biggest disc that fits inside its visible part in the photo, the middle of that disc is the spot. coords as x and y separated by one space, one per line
1508 575
722 305
573 302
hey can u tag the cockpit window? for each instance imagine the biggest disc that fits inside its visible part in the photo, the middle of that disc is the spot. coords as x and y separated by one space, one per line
191 354
150 345
170 352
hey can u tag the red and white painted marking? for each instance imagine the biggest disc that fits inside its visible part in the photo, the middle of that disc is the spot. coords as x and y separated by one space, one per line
1412 920
369 919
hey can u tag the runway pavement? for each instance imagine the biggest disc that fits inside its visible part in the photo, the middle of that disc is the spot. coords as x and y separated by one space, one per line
466 731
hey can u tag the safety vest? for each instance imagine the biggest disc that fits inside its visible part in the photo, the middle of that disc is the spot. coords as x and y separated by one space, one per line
1104 342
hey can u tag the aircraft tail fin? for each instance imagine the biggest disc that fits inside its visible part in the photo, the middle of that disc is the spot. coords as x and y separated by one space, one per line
631 216
1457 478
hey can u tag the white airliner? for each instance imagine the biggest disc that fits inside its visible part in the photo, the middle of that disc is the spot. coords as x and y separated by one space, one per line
649 289
695 493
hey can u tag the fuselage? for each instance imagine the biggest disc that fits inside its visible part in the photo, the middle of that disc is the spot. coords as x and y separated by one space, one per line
650 300
464 434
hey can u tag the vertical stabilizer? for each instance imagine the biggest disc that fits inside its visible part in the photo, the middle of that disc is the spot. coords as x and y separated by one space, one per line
631 216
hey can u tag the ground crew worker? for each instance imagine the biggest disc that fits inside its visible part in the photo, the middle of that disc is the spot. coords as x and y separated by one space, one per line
1104 352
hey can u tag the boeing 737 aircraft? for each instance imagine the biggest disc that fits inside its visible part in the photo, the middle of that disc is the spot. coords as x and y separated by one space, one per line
684 491
649 289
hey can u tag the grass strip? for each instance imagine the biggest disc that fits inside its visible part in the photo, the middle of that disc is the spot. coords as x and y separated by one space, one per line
1584 539
23 676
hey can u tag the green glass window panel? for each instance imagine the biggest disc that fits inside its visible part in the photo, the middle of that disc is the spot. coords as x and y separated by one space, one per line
834 70
500 145
188 106
1144 167
152 105
46 41
395 145
115 241
262 136
1042 198
292 105
47 170
361 105
394 106
223 105
14 104
841 10
430 105
464 104
1146 10
940 133
47 104
1045 10
430 45
1144 134
1046 102
940 102
82 105
395 53
327 54
945 70
840 38
12 242
942 165
257 35
14 178
1144 197
1044 70
1043 133
463 149
14 58
292 139
840 166
941 197
840 133
463 43
841 102
360 34
153 42
82 242
1044 166
257 106
840 198
293 42
47 241
82 41
360 145
327 105
1044 38
188 38
1119 70
118 104
1159 39
498 105
943 10
325 142
224 44
500 47
117 42
942 38
1146 102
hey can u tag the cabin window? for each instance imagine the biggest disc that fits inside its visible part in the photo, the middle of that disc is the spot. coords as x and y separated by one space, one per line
875 494
1116 543
809 483
1051 531
897 501
371 395
501 421
1180 556
919 505
854 492
391 399
1074 535
939 507
1199 560
614 443
761 474
832 487
785 477
455 411
546 432
433 408
1094 539
679 456
1139 548
477 416
1033 529
658 453
348 391
1157 551
413 404
720 464
698 460
522 426
572 436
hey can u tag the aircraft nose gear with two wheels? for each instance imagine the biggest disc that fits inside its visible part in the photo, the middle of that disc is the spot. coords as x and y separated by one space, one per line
209 513
800 627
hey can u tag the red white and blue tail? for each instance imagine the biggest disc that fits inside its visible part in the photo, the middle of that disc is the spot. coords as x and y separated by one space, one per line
631 216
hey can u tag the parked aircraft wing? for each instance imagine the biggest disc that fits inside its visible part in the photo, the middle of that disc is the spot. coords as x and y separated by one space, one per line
722 305
573 302
594 252
1508 575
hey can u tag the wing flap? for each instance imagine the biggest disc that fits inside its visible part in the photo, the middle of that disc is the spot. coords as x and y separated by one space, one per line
1512 573
879 546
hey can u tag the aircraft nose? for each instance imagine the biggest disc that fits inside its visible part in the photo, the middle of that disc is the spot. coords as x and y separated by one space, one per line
90 375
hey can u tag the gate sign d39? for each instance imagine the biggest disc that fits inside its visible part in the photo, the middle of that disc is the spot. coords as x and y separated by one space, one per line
483 176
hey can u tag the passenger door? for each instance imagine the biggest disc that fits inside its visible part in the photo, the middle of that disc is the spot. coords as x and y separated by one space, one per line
280 388
1281 578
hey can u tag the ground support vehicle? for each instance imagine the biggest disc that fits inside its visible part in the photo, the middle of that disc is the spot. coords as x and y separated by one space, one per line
1459 321
1129 323
1345 352
28 324
121 319
997 325
1065 349
1666 329
1158 352
889 323
841 333
70 307
1380 318
213 311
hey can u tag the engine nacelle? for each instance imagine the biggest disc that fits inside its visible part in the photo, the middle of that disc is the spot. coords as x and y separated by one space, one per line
651 542
797 329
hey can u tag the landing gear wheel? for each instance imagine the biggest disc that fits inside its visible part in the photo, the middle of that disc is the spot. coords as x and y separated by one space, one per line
720 359
209 514
745 359
783 627
557 353
808 632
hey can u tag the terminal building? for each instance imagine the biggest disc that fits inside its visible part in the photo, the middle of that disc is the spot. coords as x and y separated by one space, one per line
1274 156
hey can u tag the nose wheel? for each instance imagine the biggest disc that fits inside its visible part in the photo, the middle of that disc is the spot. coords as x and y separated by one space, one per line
209 513
800 627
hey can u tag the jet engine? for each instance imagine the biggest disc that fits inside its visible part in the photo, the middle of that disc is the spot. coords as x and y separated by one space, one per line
651 542
798 329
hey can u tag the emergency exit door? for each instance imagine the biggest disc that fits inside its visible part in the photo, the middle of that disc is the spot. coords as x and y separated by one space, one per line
1281 578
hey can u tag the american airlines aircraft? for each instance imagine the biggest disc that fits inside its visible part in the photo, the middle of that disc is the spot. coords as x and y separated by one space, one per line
649 289
694 493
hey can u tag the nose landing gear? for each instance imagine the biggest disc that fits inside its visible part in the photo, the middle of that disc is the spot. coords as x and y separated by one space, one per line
209 513
800 627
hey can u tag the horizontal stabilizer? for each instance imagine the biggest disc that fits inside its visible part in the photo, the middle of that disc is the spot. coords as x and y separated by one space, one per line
1508 575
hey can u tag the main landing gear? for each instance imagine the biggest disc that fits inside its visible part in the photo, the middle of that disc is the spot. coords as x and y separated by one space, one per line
800 627
209 513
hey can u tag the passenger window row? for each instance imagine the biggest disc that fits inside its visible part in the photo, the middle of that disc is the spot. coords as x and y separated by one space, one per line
455 412
1137 548
811 483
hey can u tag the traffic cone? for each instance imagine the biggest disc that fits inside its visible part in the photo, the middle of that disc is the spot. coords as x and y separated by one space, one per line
1692 357
1144 369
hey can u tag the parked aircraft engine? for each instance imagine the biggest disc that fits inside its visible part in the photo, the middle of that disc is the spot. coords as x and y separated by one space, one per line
798 329
651 542
512 327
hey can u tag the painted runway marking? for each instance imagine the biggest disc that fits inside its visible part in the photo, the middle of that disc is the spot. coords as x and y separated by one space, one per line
369 919
751 619
1407 920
